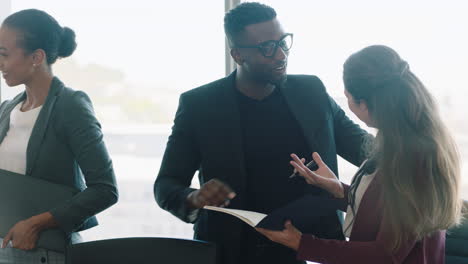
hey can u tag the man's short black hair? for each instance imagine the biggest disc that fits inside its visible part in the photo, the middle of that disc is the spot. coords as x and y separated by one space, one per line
245 14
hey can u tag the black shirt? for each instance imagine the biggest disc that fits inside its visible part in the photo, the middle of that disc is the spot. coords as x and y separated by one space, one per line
270 133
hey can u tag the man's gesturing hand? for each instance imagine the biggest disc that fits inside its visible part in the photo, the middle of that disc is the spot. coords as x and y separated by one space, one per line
214 193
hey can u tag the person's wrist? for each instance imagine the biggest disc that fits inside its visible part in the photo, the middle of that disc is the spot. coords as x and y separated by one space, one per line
297 242
42 221
339 191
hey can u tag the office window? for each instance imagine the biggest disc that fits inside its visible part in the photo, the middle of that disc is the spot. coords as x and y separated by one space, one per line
430 35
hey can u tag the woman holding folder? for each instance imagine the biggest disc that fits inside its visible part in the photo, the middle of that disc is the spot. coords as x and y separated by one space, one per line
407 193
49 132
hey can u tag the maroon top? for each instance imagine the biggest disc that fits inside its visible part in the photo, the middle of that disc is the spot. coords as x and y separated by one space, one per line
366 242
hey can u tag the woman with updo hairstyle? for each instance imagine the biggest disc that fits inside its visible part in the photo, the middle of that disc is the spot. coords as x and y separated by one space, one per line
406 194
49 132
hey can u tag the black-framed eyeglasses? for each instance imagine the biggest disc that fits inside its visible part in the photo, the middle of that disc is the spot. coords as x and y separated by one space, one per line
268 48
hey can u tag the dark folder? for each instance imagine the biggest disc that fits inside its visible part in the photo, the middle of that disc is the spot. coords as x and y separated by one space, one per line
23 196
310 214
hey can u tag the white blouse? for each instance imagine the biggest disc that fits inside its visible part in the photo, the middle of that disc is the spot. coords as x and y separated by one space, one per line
14 145
361 189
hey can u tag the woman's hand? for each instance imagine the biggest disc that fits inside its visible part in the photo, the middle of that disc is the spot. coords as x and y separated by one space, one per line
25 233
290 236
323 177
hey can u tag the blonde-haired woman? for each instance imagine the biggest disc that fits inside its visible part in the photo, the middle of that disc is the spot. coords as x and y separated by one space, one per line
407 193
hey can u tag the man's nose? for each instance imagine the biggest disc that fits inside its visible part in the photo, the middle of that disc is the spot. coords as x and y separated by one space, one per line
281 54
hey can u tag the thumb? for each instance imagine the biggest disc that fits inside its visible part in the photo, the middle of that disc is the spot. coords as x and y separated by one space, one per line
318 160
6 240
288 224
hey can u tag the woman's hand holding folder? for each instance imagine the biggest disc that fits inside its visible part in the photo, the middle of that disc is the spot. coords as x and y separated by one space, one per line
24 234
322 177
290 236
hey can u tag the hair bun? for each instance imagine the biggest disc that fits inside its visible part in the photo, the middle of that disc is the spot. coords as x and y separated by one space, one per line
67 43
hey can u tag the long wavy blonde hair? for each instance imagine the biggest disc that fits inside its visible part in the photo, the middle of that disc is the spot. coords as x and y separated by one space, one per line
417 160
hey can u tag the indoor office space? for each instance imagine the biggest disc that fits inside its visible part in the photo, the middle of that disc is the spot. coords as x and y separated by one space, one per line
137 63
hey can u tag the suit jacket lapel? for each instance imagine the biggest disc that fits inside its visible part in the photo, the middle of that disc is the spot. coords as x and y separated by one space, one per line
228 128
40 127
303 105
6 112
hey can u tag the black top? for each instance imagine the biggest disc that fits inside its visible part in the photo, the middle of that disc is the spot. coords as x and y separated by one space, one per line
270 133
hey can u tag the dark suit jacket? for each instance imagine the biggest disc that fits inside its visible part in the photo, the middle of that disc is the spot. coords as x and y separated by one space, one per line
368 237
206 136
66 144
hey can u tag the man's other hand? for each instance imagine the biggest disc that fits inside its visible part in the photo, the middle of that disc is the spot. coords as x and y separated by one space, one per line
214 193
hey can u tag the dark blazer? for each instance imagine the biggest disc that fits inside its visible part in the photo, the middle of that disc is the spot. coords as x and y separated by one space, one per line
206 136
66 147
367 239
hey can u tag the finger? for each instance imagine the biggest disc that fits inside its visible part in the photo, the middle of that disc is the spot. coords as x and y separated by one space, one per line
264 232
301 168
297 159
290 227
300 162
215 196
28 246
303 161
217 186
219 198
318 160
218 192
259 229
227 191
306 173
6 239
201 200
226 203
215 200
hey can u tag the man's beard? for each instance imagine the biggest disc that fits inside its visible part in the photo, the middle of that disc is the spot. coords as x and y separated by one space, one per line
279 82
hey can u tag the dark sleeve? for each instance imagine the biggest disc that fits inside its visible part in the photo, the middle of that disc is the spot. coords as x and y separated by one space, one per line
329 251
180 162
349 137
85 139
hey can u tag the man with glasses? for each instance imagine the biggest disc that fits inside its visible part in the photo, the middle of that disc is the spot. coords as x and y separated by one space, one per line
239 132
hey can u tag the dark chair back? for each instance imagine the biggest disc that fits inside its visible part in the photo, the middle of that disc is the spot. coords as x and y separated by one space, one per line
142 250
456 245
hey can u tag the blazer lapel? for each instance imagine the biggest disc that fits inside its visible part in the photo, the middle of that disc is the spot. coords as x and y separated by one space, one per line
40 127
302 106
228 129
6 112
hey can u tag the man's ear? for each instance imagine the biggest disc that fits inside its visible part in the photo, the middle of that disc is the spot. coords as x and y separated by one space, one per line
235 54
39 57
